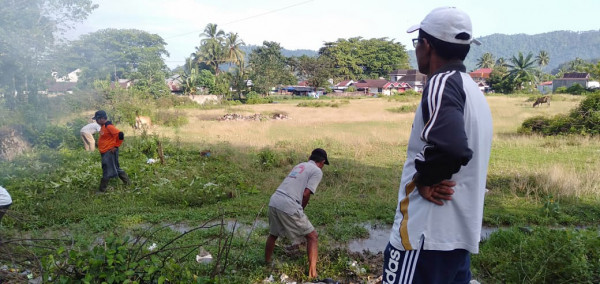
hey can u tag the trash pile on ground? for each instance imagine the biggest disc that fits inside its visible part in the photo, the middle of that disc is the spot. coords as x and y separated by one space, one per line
235 116
256 117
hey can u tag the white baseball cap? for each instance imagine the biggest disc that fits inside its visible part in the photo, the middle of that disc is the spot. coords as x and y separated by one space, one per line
448 24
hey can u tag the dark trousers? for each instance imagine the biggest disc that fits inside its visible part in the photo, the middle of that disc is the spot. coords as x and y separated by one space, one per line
110 164
426 266
3 210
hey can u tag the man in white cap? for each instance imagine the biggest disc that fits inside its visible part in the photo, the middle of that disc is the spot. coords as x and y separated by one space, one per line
440 200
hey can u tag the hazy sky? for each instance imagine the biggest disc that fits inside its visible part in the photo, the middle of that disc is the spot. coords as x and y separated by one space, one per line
307 24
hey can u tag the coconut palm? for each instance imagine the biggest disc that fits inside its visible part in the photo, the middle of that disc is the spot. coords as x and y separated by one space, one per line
211 50
211 32
486 61
234 53
501 62
542 58
521 69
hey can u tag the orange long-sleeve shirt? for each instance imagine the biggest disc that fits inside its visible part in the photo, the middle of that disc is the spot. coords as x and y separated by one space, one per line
109 138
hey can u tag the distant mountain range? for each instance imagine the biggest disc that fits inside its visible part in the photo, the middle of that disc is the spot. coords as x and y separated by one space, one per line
561 46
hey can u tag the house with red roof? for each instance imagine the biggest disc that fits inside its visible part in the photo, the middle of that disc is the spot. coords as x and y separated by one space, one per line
481 74
545 87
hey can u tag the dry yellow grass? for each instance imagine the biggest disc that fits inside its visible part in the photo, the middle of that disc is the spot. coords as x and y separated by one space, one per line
360 128
363 130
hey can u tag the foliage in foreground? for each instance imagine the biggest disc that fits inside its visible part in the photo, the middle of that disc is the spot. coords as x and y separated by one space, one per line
539 255
584 120
55 191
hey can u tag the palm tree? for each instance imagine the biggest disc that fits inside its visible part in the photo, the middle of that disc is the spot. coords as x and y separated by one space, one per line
521 69
211 50
486 61
211 32
234 53
542 58
501 62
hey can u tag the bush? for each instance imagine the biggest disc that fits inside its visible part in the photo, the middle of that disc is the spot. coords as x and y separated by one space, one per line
351 89
115 261
561 90
576 89
584 120
540 255
253 98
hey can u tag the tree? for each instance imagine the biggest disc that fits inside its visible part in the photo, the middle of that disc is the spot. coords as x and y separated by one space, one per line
207 81
521 70
233 45
269 67
486 61
594 70
118 54
542 58
315 70
29 32
501 62
357 58
211 49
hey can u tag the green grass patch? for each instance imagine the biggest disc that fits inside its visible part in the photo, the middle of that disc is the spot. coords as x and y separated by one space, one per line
403 109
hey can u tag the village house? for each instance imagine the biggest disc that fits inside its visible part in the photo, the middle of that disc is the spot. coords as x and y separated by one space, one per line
62 85
412 77
373 86
481 74
570 79
175 84
545 87
122 83
342 86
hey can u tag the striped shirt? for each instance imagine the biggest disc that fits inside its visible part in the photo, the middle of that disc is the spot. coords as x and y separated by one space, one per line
450 139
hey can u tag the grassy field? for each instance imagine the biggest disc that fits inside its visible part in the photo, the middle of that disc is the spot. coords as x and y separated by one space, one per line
533 181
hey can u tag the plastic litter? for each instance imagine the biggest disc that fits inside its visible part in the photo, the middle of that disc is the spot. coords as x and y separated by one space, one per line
203 256
204 259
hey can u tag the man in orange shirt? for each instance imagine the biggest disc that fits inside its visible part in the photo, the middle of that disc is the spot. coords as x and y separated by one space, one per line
108 144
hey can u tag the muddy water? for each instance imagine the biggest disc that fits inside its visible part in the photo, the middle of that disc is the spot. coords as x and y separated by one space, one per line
230 226
379 236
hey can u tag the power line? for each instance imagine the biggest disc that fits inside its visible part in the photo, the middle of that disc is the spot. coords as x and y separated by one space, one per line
250 17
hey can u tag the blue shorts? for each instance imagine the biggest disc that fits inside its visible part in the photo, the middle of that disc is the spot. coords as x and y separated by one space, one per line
426 266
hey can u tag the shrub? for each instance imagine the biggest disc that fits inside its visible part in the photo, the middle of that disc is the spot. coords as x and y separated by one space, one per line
540 255
584 120
561 90
119 261
576 89
351 89
255 98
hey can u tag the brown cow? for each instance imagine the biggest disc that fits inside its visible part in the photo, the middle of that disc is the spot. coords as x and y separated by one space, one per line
142 121
544 99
